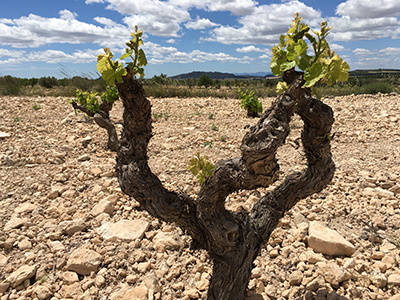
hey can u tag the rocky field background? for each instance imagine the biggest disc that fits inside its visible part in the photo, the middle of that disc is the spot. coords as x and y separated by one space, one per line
68 232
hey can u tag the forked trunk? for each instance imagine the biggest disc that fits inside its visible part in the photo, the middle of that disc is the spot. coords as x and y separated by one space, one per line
232 239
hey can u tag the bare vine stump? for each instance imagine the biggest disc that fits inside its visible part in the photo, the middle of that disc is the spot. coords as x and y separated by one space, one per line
232 239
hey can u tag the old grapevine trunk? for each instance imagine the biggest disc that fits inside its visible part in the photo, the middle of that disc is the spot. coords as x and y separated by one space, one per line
232 239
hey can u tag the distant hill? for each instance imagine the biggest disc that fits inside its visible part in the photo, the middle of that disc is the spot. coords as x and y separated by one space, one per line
374 72
218 75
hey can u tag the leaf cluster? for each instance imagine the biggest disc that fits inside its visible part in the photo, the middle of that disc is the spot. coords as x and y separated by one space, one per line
201 167
91 101
113 71
249 101
325 66
87 99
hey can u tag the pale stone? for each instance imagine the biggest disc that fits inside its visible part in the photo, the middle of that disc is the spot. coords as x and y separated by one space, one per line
316 284
73 291
396 297
3 287
99 280
379 280
96 171
395 189
55 246
3 260
167 241
295 278
42 292
84 261
72 226
332 273
70 277
127 293
300 233
387 247
53 194
394 279
14 222
104 206
25 244
328 241
20 275
70 194
192 293
84 157
25 208
378 192
4 135
131 278
124 230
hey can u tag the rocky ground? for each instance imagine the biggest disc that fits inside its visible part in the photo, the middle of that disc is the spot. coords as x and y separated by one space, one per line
68 232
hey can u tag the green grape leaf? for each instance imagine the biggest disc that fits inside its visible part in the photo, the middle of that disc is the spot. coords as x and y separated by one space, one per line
338 70
120 71
128 53
287 66
314 74
142 61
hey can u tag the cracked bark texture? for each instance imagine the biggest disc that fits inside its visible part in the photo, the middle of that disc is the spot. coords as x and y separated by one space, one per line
232 239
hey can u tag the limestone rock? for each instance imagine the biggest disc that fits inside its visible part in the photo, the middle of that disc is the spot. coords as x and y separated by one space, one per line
127 293
14 222
71 227
394 279
124 230
20 275
42 292
168 241
4 135
104 206
25 208
71 291
84 261
328 241
3 260
70 277
316 284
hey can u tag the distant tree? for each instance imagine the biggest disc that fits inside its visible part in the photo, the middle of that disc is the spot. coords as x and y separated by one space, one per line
48 82
191 82
10 85
205 81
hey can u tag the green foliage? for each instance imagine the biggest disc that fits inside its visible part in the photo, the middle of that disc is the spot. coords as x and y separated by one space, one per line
201 167
90 99
87 99
377 87
205 81
214 127
10 85
113 71
325 66
250 102
48 82
208 144
36 106
110 95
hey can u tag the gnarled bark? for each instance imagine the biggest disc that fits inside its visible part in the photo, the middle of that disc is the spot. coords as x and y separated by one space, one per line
232 239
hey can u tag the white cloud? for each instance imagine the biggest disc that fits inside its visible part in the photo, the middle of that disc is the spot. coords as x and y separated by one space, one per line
34 31
362 52
171 41
249 49
93 1
390 51
236 7
348 29
200 24
67 15
336 47
11 53
363 9
265 24
105 21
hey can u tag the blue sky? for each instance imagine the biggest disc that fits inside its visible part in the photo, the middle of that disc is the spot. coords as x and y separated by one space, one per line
55 37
